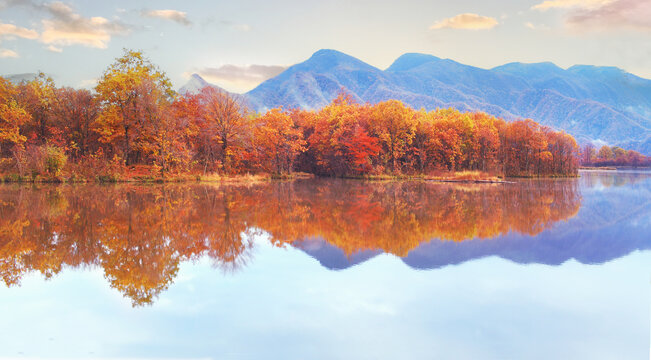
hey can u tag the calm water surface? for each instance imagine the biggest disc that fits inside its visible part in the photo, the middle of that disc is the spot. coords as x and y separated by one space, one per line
328 269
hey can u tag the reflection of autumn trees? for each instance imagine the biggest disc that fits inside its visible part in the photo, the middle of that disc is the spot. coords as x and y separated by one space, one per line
396 217
140 234
137 234
612 178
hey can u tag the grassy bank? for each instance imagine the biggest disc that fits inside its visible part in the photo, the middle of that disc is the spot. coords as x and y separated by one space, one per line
598 168
550 176
140 175
443 176
246 178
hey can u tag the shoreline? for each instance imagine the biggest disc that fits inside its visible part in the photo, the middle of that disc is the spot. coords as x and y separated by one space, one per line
613 168
598 168
462 177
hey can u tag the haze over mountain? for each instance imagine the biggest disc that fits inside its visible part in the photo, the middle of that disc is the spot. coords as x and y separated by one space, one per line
592 103
19 78
195 84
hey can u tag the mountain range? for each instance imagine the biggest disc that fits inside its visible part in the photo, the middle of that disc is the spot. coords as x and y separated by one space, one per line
593 103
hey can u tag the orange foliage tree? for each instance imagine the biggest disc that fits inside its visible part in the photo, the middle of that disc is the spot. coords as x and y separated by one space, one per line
12 118
126 105
394 126
74 113
224 131
278 142
38 98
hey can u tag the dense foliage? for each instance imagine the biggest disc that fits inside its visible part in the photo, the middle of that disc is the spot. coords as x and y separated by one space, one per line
612 156
133 119
345 138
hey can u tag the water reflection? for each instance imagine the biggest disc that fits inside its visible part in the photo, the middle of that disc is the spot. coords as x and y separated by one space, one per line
138 235
610 178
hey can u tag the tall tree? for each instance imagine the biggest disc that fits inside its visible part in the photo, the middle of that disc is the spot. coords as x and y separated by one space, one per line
74 114
38 98
12 117
120 91
224 129
588 154
165 134
605 153
394 125
278 141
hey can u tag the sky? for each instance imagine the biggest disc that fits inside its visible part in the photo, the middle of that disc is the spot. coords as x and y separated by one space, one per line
239 44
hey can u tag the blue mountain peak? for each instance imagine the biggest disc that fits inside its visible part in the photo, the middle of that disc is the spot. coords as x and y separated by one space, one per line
326 59
411 60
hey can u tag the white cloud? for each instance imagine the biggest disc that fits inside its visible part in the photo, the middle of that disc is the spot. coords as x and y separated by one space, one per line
69 28
6 53
564 4
241 27
64 26
55 49
87 84
617 14
533 26
599 15
11 30
467 21
240 78
172 15
236 26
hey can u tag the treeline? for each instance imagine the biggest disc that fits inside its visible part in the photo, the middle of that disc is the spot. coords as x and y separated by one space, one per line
612 156
134 120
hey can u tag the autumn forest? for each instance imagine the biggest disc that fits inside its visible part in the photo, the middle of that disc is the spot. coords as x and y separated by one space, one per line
134 125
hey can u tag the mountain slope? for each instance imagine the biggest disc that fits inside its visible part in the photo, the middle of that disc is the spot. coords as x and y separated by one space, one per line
195 84
589 102
315 82
19 78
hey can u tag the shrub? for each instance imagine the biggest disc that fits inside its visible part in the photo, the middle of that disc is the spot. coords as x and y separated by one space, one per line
54 159
98 166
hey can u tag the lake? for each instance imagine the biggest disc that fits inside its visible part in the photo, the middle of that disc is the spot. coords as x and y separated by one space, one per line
328 269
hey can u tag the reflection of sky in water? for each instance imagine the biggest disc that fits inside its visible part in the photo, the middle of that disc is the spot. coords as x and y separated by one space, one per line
284 304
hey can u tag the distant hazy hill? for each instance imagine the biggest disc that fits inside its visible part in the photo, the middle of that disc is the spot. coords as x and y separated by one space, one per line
19 78
195 84
589 102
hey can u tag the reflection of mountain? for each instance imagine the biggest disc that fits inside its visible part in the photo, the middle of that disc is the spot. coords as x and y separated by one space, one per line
138 235
331 256
588 246
614 221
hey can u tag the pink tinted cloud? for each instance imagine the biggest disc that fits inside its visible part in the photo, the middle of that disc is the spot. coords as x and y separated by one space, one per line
618 14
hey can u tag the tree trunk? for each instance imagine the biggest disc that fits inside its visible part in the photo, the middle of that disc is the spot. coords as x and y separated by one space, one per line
127 146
